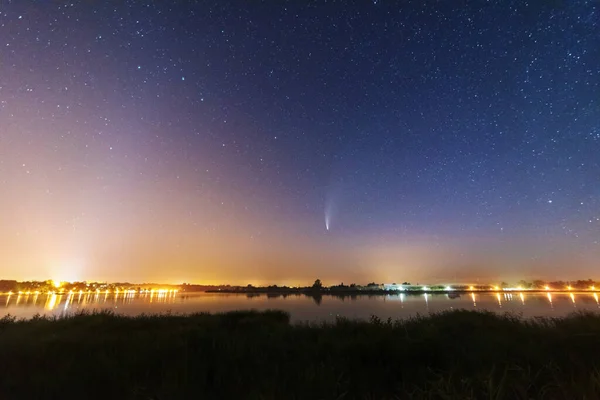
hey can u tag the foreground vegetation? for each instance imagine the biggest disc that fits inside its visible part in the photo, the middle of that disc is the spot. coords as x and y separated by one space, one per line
252 355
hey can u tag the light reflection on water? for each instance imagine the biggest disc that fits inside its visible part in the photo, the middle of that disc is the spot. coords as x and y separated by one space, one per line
301 307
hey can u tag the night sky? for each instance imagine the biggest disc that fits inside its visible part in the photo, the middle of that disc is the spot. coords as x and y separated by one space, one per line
280 142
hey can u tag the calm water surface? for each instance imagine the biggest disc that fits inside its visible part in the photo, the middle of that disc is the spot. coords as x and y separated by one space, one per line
303 308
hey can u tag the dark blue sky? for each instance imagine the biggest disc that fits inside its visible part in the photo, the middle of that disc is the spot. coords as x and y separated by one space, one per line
436 138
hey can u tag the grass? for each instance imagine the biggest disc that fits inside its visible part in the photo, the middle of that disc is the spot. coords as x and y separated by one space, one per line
260 355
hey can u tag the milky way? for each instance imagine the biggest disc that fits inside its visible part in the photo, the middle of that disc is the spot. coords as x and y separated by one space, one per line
197 141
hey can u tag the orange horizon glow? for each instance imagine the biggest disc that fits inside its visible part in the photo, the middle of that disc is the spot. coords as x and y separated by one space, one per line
74 224
184 146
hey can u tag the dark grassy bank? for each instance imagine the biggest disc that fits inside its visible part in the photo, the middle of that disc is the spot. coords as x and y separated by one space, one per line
251 355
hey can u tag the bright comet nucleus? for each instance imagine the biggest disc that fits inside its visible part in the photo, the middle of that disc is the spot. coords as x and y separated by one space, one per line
328 215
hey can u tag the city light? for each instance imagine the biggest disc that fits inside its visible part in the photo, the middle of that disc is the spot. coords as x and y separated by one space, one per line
49 287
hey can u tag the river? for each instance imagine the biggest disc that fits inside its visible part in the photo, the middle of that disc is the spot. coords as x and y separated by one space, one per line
301 307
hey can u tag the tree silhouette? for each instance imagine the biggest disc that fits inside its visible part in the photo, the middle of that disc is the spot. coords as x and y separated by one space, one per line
539 284
524 284
317 284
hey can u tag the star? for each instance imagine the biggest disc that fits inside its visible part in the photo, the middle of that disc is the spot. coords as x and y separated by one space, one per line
410 127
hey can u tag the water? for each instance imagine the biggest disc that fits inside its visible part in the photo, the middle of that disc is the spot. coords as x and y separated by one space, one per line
302 308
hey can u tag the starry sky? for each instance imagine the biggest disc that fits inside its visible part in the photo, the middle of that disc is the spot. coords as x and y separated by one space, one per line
281 141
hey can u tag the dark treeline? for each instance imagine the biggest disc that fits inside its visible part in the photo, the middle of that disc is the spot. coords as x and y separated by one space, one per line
13 286
375 288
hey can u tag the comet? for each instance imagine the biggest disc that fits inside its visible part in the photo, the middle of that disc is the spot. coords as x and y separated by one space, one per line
327 219
330 208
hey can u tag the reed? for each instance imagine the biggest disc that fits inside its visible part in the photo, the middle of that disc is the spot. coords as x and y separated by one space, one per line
260 355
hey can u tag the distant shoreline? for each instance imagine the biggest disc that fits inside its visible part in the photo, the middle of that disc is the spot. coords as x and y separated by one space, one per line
386 292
